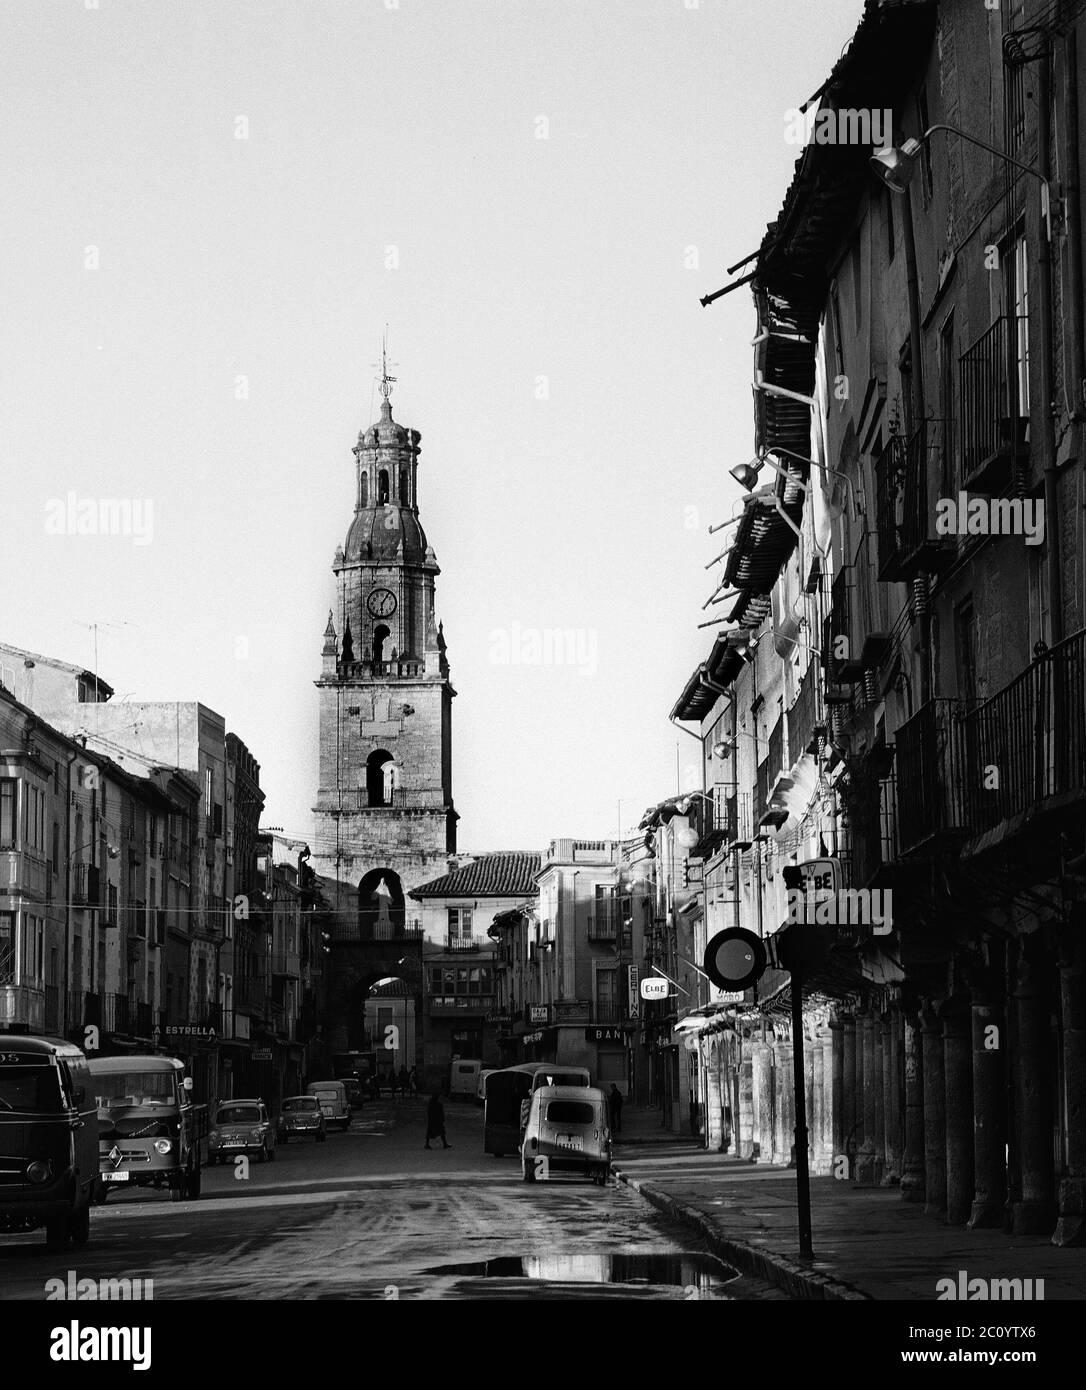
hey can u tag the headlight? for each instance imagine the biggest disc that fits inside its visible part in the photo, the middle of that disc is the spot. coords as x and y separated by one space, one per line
162 1146
39 1171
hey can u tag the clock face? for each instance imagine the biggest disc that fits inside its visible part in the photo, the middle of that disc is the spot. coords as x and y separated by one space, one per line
381 603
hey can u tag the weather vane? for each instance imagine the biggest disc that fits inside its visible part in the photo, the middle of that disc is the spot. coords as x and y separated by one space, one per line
386 380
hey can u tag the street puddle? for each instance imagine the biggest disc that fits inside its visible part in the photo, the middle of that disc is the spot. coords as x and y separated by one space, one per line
702 1273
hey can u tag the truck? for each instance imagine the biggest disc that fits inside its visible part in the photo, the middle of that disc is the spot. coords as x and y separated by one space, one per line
151 1133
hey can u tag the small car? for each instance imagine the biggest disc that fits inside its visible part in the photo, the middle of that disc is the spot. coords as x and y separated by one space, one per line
332 1096
241 1127
568 1131
301 1115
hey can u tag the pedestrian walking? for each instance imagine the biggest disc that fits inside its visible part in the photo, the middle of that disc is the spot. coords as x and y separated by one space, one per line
405 1078
413 1079
375 1086
614 1105
435 1122
392 1082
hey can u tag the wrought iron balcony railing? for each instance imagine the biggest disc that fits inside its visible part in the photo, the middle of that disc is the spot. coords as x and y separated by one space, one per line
994 411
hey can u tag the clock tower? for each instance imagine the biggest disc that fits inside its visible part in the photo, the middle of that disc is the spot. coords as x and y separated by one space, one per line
384 817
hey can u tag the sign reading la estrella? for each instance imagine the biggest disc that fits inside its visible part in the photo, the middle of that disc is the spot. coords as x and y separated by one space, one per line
611 1032
198 1031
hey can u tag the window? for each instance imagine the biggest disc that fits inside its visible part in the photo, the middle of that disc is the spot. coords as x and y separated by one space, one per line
835 315
403 486
965 642
56 848
364 490
569 1112
382 488
460 923
209 791
33 818
7 948
9 805
1017 269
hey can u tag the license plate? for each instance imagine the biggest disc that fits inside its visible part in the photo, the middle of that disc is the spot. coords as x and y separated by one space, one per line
328 1109
115 1177
571 1141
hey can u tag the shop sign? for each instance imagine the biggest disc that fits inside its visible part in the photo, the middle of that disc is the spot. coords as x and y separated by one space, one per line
539 1013
261 1054
532 1037
615 1032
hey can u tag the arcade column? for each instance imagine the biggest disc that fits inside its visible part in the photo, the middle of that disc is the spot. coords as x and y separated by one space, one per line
912 1163
934 1113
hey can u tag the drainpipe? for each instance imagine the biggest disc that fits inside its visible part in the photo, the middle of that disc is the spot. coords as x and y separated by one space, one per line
1047 404
916 359
67 883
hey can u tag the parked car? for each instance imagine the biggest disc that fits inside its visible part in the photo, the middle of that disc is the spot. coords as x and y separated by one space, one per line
48 1139
301 1115
568 1128
333 1101
241 1127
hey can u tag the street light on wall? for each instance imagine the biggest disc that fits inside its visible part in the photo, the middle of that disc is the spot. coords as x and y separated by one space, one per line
896 164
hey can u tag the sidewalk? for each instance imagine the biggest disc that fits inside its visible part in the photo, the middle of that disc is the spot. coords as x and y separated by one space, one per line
867 1242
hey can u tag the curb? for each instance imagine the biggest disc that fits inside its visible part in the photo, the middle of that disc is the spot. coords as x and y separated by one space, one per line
795 1279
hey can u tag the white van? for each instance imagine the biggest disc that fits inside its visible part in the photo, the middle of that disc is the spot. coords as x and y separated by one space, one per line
480 1092
333 1101
464 1076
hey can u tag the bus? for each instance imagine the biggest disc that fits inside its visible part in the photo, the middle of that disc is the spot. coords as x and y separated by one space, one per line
507 1094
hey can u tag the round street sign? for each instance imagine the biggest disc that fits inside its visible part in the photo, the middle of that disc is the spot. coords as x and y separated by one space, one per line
735 958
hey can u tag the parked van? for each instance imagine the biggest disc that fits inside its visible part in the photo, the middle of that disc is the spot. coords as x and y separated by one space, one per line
568 1131
464 1077
480 1090
151 1133
552 1075
48 1139
335 1106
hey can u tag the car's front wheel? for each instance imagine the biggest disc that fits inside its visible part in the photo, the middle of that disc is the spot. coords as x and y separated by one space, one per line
270 1154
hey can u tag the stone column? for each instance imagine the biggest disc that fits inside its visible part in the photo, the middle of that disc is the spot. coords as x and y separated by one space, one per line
849 1116
989 1125
837 1110
1034 1207
958 1070
762 1093
866 1157
878 1086
891 1090
1071 1226
746 1102
934 1114
912 1163
812 1068
785 1104
827 1041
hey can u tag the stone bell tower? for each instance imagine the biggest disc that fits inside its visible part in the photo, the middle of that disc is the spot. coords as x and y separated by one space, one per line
384 817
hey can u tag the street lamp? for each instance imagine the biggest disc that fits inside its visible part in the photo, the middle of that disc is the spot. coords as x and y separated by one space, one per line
896 164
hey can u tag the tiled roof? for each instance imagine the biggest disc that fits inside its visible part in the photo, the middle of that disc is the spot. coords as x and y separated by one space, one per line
506 874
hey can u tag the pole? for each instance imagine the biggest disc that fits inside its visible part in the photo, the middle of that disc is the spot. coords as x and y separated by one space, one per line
803 1178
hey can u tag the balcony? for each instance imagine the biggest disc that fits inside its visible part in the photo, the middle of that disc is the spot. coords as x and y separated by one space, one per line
468 943
114 1017
889 498
609 1013
1033 732
929 776
805 720
285 963
23 1006
459 1005
603 923
995 420
873 826
347 932
135 919
839 657
85 885
24 872
921 547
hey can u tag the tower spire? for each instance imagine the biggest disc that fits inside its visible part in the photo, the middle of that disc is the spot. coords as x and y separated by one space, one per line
386 379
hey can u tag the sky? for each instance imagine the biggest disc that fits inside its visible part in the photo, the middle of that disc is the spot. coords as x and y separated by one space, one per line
211 212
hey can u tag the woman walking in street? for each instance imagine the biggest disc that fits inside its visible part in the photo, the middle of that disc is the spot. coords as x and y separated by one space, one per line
435 1122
